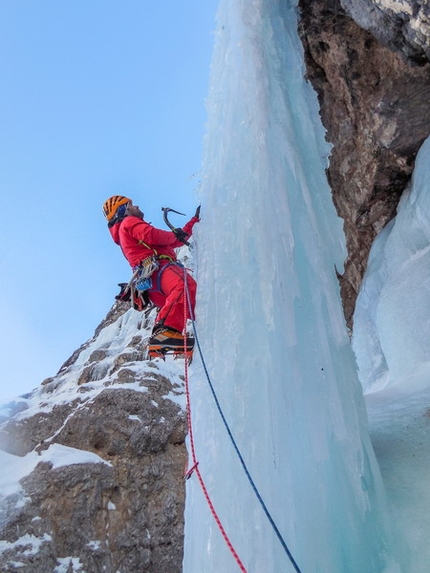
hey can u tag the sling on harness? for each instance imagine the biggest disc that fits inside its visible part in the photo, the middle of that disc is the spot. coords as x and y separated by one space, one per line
136 290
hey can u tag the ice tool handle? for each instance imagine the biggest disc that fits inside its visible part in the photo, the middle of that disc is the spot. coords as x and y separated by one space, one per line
169 224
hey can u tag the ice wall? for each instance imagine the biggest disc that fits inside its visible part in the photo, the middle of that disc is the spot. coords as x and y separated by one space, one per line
392 321
270 323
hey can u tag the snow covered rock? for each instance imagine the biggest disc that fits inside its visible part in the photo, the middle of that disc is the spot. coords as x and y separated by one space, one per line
403 26
93 462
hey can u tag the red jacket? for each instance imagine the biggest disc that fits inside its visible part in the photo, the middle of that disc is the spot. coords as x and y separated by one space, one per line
138 239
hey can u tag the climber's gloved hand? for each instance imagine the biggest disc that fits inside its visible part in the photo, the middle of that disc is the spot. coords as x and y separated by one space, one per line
197 213
181 235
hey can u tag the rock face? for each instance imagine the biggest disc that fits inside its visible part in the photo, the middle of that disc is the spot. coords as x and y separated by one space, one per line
403 25
375 106
122 510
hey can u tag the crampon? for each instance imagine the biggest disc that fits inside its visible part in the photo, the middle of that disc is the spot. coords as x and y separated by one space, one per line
158 351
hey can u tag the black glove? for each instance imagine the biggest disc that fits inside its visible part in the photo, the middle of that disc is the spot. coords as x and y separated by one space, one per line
197 213
125 292
181 235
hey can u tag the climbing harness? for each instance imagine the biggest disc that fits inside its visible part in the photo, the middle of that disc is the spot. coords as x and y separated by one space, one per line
195 466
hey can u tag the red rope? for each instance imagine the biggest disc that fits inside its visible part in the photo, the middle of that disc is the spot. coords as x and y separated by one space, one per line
195 466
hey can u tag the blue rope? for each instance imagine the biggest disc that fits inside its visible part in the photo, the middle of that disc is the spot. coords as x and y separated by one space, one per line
233 441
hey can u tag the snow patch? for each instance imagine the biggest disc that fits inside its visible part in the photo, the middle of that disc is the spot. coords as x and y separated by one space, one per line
27 544
69 565
15 468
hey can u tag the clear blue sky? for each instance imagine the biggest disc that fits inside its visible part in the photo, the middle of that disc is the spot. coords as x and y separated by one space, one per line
98 97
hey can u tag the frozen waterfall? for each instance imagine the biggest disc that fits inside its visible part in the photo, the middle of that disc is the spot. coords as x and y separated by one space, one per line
270 323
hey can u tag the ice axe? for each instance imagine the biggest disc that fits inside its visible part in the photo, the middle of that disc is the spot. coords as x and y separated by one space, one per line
180 234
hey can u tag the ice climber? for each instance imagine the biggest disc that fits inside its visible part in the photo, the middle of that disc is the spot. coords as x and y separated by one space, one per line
153 250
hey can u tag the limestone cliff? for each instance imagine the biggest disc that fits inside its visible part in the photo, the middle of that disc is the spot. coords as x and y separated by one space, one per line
121 510
375 106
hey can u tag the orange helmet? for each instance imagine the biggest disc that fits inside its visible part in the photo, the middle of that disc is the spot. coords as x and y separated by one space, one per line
111 205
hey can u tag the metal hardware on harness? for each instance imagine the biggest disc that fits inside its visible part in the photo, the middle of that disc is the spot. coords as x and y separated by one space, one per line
148 266
145 270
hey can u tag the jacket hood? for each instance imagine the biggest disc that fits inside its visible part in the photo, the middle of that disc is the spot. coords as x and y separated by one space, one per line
114 231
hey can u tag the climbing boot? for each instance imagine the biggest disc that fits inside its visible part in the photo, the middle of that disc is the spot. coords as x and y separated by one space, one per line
166 340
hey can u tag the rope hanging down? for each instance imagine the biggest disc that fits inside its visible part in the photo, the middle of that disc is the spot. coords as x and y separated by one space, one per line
195 466
233 441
